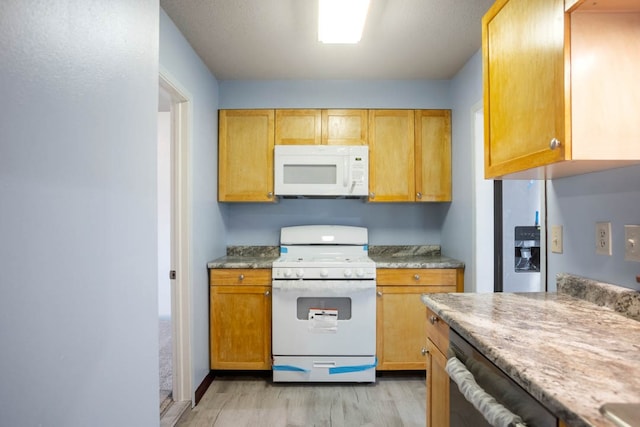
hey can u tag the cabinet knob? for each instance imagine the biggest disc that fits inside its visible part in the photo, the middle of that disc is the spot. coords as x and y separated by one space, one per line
379 293
433 319
241 277
416 277
424 351
372 195
267 293
270 194
419 195
554 143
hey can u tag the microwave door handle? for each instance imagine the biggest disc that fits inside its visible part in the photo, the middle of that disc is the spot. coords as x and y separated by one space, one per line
346 172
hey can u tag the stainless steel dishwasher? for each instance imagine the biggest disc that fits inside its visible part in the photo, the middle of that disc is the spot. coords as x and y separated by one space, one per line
482 395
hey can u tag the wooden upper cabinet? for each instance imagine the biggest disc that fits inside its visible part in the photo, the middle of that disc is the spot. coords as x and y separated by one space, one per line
433 156
391 156
559 87
298 127
410 155
245 155
345 127
329 127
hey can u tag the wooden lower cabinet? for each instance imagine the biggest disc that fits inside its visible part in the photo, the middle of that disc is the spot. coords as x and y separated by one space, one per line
240 319
400 326
437 378
437 387
240 316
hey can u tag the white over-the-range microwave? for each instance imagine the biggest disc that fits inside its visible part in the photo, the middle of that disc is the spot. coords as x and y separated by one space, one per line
321 170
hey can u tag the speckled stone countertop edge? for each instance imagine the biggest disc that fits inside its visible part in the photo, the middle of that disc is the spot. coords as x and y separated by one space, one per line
417 262
385 256
242 262
510 329
622 300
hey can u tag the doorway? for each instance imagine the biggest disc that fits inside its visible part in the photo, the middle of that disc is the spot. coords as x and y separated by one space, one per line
483 196
174 241
164 250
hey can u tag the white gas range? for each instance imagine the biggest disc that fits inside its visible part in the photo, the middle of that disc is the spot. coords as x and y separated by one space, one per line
324 305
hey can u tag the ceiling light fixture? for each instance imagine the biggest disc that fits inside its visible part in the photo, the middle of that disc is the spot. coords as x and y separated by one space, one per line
341 21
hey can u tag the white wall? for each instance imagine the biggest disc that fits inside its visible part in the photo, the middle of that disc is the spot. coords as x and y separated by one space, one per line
78 306
577 203
388 223
481 266
184 68
457 231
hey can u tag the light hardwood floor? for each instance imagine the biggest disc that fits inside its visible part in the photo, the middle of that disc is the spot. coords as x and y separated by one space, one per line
394 400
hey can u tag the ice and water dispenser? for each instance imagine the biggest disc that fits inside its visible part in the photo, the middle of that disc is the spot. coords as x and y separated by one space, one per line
527 249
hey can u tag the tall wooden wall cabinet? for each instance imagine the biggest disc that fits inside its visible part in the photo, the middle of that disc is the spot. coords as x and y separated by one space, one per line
561 95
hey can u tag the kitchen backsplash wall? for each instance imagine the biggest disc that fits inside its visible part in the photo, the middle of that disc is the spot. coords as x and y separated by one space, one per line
388 223
577 203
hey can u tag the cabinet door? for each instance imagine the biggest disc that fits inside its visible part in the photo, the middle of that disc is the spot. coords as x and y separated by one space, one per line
437 387
524 91
345 127
245 156
391 156
240 329
298 127
401 328
433 155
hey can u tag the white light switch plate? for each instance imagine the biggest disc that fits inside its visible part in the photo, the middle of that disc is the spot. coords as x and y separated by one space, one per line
556 239
632 243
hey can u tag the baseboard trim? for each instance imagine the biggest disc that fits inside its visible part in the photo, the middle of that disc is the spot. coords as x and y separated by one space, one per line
204 385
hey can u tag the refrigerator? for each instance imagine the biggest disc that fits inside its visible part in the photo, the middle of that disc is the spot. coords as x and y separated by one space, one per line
523 236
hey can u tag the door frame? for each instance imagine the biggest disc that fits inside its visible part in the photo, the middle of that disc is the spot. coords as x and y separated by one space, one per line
482 273
181 196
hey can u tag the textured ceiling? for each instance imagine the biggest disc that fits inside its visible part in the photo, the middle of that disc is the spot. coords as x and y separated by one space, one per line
277 39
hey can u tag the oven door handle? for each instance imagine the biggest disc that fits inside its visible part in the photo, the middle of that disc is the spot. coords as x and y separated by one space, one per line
495 413
334 286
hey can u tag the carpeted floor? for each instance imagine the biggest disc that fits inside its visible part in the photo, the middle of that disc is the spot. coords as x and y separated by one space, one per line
165 359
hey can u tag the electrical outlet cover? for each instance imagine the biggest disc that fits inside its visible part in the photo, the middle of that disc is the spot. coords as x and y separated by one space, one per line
603 238
632 243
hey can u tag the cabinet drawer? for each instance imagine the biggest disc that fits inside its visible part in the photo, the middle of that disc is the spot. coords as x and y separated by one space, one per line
437 331
235 276
436 277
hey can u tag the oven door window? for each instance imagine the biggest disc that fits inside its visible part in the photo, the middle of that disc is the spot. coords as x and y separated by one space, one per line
341 304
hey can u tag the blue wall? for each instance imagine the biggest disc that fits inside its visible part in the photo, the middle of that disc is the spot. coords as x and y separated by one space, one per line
388 223
457 231
186 70
577 203
78 309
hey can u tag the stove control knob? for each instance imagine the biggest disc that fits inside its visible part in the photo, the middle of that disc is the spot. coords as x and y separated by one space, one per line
324 273
288 272
359 272
348 273
299 272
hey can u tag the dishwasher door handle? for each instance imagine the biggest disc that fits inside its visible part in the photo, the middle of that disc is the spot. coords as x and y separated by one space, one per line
494 412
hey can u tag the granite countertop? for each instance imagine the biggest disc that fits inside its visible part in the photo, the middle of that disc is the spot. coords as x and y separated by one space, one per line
573 350
419 256
416 256
418 261
247 257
